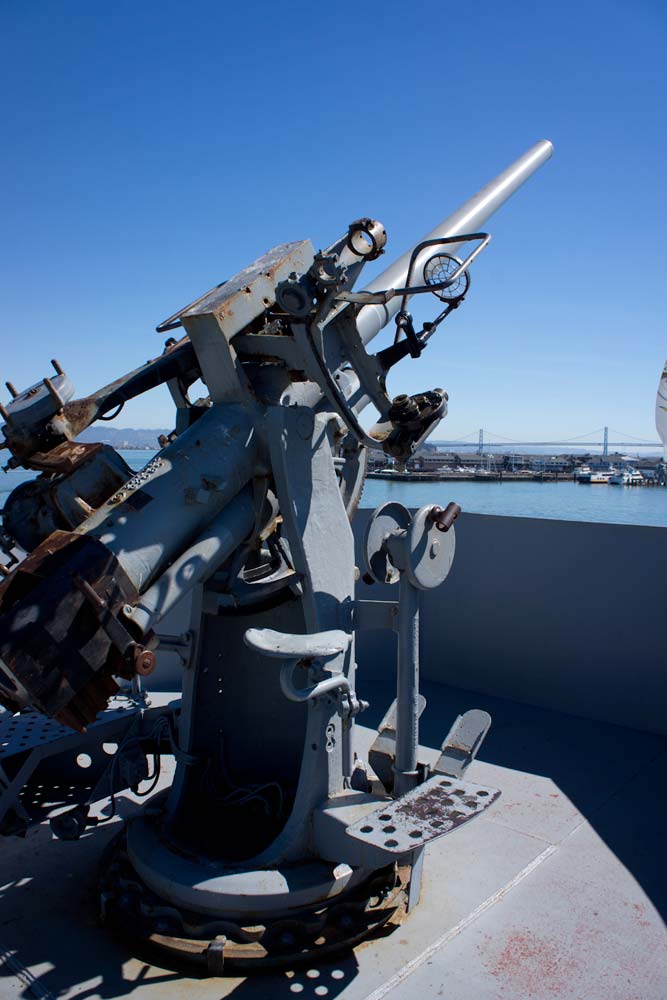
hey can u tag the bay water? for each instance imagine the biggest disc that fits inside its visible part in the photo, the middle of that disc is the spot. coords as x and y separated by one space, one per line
566 501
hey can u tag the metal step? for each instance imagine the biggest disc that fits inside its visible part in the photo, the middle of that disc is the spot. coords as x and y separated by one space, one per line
462 742
435 808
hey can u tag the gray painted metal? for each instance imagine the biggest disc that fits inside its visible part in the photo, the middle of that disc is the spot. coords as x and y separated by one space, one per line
232 890
469 218
226 439
318 646
387 519
382 753
173 523
40 401
374 614
215 318
210 549
332 821
287 646
407 689
430 551
29 739
435 808
322 548
321 544
557 890
416 548
189 483
462 742
572 613
549 598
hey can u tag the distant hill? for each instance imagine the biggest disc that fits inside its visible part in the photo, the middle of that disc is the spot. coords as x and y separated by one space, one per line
125 437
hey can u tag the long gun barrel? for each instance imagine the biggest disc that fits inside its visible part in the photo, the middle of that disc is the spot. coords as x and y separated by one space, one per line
469 218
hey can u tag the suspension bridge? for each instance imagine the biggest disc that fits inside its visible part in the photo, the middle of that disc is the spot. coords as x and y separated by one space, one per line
482 439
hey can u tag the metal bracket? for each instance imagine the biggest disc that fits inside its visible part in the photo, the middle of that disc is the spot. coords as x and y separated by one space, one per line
179 644
375 614
382 753
215 956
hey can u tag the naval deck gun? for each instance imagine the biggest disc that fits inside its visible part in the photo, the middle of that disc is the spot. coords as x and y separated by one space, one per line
274 841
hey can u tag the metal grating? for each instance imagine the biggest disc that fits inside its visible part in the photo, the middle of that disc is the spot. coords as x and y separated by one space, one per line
29 729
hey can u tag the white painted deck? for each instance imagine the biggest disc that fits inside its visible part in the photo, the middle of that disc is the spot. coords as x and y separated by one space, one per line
555 891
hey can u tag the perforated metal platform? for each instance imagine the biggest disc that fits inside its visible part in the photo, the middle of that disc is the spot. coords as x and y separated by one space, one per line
431 810
46 767
29 729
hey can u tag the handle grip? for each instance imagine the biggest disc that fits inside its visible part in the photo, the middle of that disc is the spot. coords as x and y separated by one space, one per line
444 517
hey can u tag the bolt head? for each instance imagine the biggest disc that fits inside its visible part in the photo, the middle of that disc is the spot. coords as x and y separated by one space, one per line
145 662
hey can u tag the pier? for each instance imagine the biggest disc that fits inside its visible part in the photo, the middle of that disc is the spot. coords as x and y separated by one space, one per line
435 464
501 475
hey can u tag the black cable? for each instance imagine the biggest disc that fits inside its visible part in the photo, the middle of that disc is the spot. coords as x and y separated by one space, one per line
116 412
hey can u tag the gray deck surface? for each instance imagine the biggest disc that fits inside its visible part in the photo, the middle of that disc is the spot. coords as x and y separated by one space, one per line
558 890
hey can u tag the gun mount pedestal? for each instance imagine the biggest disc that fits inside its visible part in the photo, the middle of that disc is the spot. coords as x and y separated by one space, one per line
270 837
265 749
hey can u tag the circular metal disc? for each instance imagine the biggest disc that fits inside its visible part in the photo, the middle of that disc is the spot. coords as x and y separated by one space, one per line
387 519
430 552
439 269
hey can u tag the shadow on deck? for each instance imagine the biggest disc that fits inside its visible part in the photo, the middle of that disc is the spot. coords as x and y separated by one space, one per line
613 778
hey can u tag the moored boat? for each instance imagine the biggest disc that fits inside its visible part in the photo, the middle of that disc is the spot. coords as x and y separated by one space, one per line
628 477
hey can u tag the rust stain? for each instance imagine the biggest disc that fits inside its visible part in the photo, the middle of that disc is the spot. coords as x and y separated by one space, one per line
426 806
537 967
639 912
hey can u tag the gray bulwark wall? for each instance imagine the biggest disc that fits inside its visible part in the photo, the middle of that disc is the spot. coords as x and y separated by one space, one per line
564 614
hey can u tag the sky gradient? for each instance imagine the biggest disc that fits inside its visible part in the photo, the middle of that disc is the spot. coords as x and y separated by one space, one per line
151 150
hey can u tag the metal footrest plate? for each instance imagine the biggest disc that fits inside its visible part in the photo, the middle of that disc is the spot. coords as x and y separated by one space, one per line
423 814
462 742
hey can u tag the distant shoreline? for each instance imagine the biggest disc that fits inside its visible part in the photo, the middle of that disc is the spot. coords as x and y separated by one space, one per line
500 476
477 477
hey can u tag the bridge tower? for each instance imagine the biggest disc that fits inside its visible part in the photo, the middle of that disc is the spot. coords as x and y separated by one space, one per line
605 445
480 446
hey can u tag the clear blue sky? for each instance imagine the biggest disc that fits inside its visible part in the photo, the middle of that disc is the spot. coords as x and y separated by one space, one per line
152 149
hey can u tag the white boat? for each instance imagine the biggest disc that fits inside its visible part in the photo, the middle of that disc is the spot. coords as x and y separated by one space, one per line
599 477
628 477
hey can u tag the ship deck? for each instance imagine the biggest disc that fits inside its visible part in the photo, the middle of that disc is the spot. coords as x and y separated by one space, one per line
557 890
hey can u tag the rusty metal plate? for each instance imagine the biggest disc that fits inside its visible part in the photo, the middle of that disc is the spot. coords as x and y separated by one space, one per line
437 807
228 300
